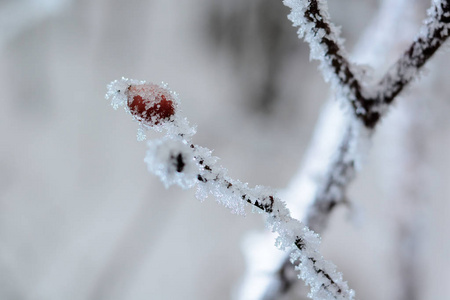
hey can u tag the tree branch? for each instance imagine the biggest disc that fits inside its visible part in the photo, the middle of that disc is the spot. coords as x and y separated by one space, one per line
176 160
333 190
342 171
432 35
368 103
315 27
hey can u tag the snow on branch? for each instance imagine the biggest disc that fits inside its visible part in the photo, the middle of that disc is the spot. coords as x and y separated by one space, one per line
432 35
313 20
324 195
328 167
176 160
368 103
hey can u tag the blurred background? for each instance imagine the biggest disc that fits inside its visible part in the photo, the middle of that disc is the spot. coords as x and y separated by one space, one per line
80 216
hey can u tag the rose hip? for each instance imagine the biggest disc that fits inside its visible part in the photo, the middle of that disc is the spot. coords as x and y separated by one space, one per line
150 103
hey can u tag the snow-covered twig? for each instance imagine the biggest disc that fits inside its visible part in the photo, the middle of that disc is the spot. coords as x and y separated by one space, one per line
435 31
276 276
313 20
176 160
368 103
313 194
432 35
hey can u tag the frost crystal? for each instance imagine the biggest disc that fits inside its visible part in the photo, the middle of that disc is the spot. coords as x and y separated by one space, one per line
172 161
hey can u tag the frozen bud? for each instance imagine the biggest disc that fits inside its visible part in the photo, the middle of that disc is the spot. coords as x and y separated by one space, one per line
150 103
153 106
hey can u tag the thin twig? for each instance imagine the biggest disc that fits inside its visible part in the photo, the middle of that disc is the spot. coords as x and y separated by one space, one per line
176 160
433 34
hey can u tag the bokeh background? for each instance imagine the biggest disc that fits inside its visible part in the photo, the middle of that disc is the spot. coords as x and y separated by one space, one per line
80 216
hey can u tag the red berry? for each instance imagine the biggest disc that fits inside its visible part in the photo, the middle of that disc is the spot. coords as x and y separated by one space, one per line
150 103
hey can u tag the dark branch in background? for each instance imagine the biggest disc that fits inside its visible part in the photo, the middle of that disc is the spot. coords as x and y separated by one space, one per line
333 190
367 109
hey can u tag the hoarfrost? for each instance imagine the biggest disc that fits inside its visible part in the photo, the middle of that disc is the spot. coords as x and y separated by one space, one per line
176 160
172 161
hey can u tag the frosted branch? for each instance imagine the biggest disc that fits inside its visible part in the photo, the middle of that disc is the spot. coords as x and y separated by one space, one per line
325 194
313 194
312 18
368 103
432 35
176 160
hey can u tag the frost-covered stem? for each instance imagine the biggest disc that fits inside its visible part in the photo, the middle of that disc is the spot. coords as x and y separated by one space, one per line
342 170
177 160
329 193
276 276
315 26
326 46
335 55
373 47
302 243
433 34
